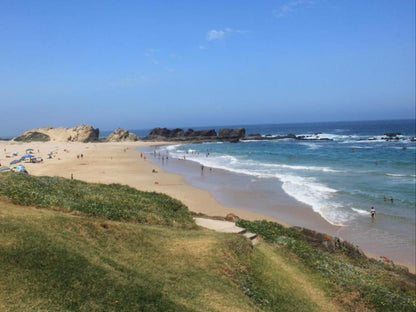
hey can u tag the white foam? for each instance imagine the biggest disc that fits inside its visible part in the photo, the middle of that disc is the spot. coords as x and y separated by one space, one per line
396 175
172 147
311 145
307 168
316 195
360 211
304 189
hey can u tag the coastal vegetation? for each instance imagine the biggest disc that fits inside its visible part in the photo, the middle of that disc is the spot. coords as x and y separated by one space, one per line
67 245
33 136
349 272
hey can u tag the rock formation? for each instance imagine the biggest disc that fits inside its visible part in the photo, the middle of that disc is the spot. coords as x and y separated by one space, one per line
120 135
233 135
81 133
164 134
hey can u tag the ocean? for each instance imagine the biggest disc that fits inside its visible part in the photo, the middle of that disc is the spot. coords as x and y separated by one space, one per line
340 179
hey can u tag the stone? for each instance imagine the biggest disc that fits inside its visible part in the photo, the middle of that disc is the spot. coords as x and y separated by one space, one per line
232 217
120 135
229 134
164 134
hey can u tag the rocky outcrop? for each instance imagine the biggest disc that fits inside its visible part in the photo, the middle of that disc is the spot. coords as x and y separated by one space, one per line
233 135
164 134
224 135
81 133
120 135
330 243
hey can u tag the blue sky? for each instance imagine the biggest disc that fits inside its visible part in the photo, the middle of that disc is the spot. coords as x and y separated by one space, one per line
142 64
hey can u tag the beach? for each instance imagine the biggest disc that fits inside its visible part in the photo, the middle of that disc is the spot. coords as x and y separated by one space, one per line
119 163
132 163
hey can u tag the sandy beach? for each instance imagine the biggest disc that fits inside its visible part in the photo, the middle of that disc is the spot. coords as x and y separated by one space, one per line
118 163
124 163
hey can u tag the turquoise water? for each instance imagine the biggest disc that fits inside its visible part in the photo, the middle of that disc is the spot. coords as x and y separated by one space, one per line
341 179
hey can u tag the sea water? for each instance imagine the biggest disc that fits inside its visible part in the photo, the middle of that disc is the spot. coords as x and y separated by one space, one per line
340 178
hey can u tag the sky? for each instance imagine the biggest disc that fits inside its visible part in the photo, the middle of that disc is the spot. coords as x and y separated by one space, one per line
188 63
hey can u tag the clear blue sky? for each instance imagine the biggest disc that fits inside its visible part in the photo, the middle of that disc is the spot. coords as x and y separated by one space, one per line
142 64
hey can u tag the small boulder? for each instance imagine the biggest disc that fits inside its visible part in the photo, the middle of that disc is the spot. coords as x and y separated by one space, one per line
232 217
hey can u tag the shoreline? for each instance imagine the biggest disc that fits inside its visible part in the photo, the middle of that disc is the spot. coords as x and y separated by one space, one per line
121 163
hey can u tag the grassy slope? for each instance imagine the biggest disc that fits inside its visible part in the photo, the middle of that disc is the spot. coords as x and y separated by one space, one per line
124 250
358 283
54 261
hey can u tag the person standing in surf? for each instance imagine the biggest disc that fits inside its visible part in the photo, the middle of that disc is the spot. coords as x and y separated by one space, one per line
372 212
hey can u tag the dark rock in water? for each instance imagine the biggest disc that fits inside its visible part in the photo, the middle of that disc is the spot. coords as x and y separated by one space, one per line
231 134
164 134
392 134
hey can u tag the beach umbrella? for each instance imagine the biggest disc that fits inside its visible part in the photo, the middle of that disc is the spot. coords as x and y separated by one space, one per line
26 156
29 151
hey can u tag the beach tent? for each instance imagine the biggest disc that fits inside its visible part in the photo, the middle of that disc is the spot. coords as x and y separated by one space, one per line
22 169
15 161
29 151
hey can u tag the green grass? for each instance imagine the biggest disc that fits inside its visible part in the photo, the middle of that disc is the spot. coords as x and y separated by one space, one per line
115 201
362 280
51 261
94 247
33 137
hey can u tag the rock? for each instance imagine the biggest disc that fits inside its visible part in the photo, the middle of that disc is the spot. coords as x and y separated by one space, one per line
81 133
84 133
231 134
392 134
164 134
120 135
232 217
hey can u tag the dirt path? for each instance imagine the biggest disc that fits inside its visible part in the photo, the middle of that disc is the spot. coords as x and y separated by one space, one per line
301 281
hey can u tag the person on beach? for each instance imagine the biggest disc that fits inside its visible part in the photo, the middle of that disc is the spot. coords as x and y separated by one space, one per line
202 170
373 212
